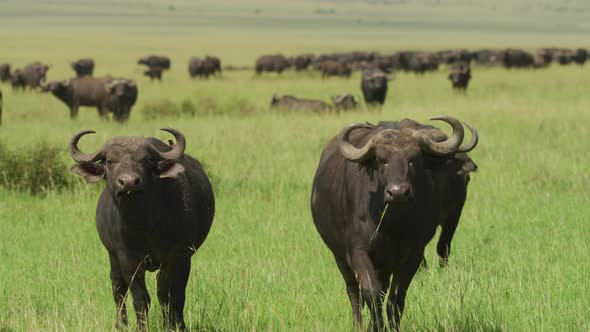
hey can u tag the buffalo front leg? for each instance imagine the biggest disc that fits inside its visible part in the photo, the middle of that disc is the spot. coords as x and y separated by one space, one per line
120 288
443 247
172 280
370 285
399 288
134 273
353 291
102 112
74 111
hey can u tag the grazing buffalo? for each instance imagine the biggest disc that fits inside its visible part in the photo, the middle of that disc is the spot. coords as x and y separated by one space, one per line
345 102
215 63
378 195
271 63
83 67
290 103
302 62
106 94
460 75
374 87
32 76
204 68
155 212
17 80
154 73
5 72
155 61
335 68
515 58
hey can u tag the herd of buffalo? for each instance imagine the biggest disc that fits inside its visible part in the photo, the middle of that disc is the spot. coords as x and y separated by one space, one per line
379 193
118 95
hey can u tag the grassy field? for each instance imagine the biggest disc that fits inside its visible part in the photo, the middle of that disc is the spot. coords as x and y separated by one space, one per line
521 253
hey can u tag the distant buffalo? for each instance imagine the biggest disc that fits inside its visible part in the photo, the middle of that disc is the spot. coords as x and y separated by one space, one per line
5 72
460 75
271 63
83 67
155 61
345 102
580 56
205 67
32 76
302 62
154 73
335 68
374 87
291 103
106 94
515 58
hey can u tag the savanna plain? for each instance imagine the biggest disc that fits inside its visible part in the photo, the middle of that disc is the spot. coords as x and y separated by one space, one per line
521 254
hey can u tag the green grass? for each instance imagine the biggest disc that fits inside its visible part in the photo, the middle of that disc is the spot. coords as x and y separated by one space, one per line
520 256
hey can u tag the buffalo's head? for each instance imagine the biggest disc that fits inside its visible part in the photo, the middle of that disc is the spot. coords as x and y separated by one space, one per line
129 164
401 158
57 87
375 79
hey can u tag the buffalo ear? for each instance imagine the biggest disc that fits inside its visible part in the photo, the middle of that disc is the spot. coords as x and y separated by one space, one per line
169 169
92 172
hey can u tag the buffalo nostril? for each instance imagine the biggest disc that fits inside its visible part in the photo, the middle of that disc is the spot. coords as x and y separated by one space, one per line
136 181
121 182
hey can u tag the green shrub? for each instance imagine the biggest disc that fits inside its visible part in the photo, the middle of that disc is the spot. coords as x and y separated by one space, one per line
34 169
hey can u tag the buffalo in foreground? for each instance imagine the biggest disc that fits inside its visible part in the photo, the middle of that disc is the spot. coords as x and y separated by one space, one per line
378 195
155 212
83 67
374 87
106 94
460 75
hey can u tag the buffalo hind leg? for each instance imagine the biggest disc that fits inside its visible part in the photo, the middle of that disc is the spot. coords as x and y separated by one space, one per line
353 291
370 285
443 247
134 273
120 288
172 280
399 288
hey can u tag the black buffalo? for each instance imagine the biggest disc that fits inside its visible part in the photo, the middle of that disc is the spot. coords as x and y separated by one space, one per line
155 212
5 74
271 63
378 195
460 75
83 67
302 62
204 68
106 94
374 87
290 103
32 76
17 80
154 73
580 56
155 61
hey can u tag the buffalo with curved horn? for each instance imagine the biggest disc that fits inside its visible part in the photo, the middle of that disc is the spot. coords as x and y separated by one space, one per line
378 195
155 212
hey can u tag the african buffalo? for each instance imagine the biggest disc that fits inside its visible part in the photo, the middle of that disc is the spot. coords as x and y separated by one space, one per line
206 67
106 94
155 61
460 75
215 63
515 58
271 63
302 62
335 68
580 56
344 102
5 72
155 212
378 195
374 87
83 67
32 76
291 103
154 73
